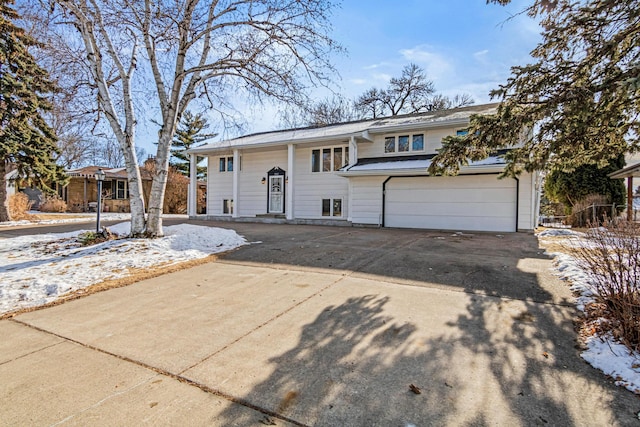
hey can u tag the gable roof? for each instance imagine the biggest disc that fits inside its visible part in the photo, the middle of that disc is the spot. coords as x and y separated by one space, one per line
358 129
110 173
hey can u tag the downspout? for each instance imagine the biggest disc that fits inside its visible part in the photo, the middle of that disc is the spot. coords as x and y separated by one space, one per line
517 200
384 196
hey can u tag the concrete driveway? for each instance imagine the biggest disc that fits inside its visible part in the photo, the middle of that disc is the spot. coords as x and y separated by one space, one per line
318 326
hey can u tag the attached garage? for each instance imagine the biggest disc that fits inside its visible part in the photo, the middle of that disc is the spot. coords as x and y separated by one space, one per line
465 202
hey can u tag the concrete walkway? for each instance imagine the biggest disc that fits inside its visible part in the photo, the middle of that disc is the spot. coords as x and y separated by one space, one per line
318 326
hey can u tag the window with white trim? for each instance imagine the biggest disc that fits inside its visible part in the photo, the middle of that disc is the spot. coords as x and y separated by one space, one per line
329 159
226 164
404 143
120 189
332 207
227 206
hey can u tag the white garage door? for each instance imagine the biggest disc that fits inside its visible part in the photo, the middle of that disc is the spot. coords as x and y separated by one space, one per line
473 202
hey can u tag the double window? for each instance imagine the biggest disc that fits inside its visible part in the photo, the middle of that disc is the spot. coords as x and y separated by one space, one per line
332 207
226 164
329 159
227 206
404 143
119 189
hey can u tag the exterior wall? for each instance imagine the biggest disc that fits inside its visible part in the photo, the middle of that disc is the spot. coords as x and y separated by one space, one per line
253 193
528 202
432 142
219 185
76 195
366 200
311 187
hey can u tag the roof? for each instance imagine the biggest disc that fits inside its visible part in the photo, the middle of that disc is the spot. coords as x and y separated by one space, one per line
417 165
629 171
110 173
358 129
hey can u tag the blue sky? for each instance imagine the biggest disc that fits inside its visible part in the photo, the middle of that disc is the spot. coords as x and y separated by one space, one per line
465 46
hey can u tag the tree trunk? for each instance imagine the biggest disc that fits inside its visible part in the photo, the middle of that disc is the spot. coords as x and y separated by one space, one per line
136 198
159 185
4 211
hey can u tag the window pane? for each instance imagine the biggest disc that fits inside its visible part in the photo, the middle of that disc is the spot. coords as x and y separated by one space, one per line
403 143
337 207
461 132
337 158
120 189
346 156
223 163
390 144
227 206
418 143
315 160
326 207
229 164
326 160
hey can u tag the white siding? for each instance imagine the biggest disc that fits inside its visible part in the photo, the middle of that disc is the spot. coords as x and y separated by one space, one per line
366 200
528 201
255 165
311 187
432 142
219 185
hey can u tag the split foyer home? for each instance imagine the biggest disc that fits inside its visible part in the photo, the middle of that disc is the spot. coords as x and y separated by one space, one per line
364 173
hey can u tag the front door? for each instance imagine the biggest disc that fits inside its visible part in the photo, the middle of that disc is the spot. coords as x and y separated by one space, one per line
276 195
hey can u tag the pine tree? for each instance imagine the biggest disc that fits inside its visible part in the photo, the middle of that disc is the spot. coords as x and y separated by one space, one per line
577 104
189 133
25 138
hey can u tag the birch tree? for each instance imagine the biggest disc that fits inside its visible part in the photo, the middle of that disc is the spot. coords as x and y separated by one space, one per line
194 50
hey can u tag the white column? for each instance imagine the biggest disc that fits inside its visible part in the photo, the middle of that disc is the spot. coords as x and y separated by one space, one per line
236 183
291 155
353 151
192 203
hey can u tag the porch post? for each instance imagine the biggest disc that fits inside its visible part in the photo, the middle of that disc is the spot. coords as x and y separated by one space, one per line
192 202
353 151
290 178
236 182
630 198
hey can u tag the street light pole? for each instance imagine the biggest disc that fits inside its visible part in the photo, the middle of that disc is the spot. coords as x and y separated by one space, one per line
99 178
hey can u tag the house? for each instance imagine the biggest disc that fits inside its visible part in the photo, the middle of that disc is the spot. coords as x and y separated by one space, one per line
81 192
365 173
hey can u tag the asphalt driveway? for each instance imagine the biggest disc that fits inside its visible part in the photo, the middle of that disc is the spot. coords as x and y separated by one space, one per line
322 326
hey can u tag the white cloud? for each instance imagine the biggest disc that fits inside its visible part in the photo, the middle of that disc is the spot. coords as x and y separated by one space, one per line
481 54
435 64
358 81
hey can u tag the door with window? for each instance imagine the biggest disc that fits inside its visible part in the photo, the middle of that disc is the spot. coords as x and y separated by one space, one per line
276 194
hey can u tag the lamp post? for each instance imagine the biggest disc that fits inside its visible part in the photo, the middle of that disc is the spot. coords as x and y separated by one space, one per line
99 178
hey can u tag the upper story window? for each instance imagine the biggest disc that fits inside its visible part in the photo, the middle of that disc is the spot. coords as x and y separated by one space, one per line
404 143
226 164
329 159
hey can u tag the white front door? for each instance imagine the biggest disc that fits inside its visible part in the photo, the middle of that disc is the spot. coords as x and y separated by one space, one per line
276 193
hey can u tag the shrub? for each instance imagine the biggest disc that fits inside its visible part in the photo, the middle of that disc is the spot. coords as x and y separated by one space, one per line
19 206
53 204
612 258
593 209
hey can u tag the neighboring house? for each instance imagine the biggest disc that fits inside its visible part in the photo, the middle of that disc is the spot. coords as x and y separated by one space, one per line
81 192
369 173
16 184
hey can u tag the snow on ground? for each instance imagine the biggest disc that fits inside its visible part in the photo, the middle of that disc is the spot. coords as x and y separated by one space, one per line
62 218
603 352
35 270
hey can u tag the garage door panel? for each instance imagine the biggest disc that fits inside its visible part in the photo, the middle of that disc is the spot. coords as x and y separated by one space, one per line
458 203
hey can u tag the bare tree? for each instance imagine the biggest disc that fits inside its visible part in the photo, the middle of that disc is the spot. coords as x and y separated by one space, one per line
193 49
410 93
325 112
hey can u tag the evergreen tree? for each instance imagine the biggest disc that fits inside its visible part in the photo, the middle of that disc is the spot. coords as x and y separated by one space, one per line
25 138
578 103
569 188
189 133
